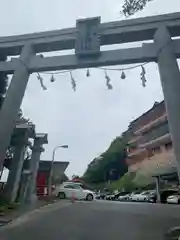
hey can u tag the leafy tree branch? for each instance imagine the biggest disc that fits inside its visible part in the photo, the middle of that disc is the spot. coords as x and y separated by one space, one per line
130 7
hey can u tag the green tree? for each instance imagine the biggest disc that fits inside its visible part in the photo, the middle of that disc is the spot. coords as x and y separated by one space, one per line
130 7
110 165
124 183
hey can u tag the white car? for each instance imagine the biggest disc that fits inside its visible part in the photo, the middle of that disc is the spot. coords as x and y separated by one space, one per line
75 191
144 196
124 197
134 196
141 197
174 199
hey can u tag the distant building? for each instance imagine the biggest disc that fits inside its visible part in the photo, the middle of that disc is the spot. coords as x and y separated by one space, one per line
58 175
149 143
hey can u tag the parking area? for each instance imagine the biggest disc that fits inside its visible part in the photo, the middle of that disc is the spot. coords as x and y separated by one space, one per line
170 196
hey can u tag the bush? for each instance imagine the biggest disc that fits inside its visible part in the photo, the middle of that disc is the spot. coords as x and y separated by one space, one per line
142 180
5 207
125 183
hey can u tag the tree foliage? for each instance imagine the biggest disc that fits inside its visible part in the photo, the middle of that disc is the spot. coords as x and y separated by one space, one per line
58 179
130 7
74 177
124 183
21 119
110 165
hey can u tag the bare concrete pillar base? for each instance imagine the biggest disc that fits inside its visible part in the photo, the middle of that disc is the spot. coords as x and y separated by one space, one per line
14 178
34 165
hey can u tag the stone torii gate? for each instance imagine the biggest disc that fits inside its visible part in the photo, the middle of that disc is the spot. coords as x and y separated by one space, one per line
86 39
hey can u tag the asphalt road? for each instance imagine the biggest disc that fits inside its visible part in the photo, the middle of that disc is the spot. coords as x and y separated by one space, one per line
95 221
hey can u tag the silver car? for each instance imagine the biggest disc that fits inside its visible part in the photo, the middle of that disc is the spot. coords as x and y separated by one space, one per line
174 199
125 197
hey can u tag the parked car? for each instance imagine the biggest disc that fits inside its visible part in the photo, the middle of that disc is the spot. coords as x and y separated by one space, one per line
125 197
141 197
114 196
166 193
147 196
174 199
152 197
73 190
134 196
101 196
109 197
119 194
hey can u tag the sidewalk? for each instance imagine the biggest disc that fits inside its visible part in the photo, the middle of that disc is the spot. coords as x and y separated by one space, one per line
11 215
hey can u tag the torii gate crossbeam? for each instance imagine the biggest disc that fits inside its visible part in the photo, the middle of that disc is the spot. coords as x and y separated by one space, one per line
86 39
132 30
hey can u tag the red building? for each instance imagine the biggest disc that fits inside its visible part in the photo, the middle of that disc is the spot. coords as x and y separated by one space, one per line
58 169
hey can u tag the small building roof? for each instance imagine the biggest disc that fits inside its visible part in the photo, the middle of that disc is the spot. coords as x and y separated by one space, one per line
58 168
44 166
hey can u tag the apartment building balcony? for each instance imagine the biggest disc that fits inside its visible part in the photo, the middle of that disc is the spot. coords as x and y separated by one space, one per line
160 120
156 137
136 152
134 140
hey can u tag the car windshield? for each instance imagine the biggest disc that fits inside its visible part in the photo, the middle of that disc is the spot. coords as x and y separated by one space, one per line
72 186
77 187
152 193
83 186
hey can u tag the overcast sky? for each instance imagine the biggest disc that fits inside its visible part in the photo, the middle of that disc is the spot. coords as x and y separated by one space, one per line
90 118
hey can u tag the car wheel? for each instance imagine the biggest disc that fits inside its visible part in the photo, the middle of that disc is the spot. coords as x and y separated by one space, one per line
61 195
89 197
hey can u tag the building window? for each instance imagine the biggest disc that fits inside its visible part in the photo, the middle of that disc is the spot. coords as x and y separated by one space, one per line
156 150
168 146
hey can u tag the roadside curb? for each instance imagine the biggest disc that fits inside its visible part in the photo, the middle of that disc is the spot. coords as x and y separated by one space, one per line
29 215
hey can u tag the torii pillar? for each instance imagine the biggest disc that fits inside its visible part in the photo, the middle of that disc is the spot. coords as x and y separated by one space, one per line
39 140
13 100
14 178
170 80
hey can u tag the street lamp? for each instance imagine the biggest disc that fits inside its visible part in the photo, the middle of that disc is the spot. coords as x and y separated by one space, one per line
51 169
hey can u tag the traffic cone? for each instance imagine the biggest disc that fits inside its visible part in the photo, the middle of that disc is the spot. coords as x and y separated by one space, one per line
45 191
73 198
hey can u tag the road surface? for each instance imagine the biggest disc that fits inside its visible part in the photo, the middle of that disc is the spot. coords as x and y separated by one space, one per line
95 221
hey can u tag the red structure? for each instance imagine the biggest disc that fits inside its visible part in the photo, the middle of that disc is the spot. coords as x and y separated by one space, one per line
43 175
58 169
41 183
